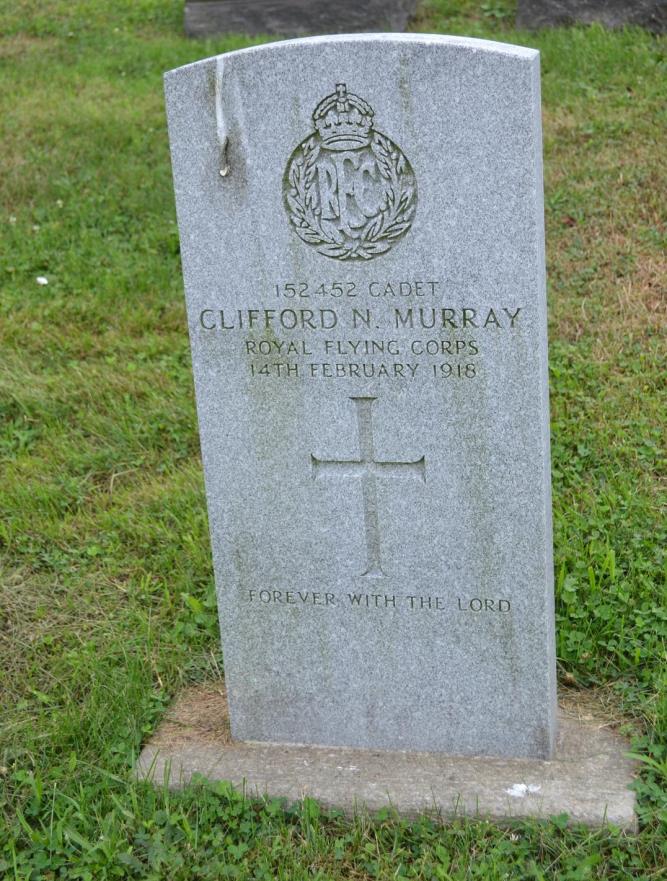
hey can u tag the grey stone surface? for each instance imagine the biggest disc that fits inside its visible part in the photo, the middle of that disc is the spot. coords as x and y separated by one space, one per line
295 17
361 226
651 14
588 778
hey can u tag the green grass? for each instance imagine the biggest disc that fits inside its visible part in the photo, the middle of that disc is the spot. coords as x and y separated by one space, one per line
106 595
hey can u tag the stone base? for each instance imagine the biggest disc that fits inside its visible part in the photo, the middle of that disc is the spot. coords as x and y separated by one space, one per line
588 778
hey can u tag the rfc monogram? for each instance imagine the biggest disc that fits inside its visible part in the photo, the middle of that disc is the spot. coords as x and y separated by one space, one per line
349 190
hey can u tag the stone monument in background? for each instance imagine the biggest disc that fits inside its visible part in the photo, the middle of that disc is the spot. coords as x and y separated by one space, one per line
650 14
292 18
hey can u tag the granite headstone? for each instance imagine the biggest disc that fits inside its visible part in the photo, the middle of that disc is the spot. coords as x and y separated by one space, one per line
361 224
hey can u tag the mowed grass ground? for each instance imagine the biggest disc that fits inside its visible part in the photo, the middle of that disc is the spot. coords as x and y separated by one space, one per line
106 595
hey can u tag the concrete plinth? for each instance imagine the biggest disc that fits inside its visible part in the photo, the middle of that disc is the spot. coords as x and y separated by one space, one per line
588 778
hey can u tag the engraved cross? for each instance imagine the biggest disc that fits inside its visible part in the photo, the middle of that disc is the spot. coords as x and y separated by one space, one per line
368 469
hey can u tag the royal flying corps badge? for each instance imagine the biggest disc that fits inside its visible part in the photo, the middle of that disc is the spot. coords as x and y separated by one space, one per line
349 190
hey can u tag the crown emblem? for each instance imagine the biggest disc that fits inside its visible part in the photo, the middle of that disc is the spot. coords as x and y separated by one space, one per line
349 190
343 121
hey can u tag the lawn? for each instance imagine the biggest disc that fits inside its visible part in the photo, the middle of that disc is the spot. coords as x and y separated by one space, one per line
106 596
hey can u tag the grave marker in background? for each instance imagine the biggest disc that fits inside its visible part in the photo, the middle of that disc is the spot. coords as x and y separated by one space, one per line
361 226
651 14
204 18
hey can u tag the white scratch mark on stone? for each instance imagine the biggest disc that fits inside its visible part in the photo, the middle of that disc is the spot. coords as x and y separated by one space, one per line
223 140
521 790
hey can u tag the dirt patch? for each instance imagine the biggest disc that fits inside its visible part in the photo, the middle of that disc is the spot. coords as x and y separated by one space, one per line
643 297
201 713
598 706
22 45
198 713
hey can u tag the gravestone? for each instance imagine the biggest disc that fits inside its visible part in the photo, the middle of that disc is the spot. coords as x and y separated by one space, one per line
295 17
650 14
361 226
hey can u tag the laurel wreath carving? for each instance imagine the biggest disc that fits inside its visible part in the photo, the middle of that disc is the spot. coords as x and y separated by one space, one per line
379 234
